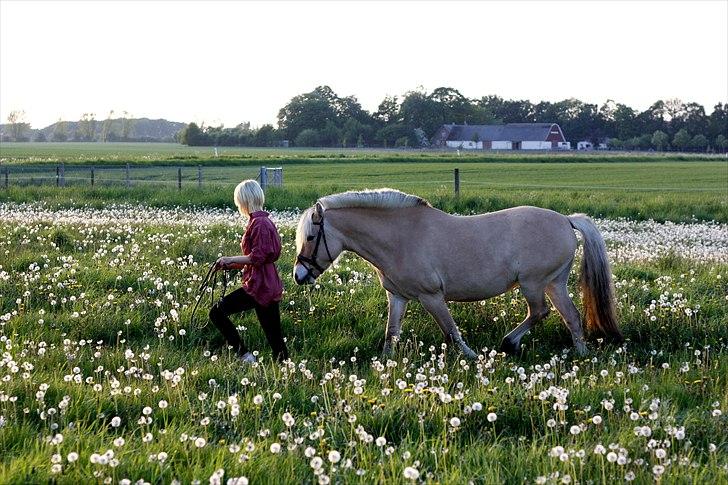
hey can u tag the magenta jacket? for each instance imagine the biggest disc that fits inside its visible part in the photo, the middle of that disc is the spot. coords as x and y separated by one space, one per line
262 243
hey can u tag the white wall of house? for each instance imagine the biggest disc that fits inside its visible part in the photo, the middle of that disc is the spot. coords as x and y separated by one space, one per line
535 145
466 145
501 145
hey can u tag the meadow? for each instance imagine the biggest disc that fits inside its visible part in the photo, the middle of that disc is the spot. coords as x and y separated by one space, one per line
604 185
106 378
174 153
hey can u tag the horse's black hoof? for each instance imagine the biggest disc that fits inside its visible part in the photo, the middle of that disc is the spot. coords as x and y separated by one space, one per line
509 347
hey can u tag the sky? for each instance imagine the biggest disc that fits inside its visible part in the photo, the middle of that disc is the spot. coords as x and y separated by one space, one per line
228 62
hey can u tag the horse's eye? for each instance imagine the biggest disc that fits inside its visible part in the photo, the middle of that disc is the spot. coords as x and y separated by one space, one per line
309 238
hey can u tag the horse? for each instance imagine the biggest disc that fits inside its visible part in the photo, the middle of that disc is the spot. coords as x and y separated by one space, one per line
424 254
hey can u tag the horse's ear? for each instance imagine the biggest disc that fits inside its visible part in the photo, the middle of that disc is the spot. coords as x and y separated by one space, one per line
319 209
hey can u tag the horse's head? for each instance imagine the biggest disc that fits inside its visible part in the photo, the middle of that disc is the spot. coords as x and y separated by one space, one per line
317 246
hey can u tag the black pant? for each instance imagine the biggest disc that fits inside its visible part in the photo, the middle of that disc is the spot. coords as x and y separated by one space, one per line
269 317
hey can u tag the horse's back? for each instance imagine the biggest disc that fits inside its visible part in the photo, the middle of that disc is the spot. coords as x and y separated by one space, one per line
485 255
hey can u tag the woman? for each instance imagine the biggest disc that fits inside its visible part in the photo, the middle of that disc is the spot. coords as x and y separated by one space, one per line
262 287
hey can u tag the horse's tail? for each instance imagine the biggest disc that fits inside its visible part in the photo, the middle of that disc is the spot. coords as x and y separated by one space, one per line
596 281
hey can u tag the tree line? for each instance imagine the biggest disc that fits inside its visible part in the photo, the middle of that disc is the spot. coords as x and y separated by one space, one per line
321 118
86 129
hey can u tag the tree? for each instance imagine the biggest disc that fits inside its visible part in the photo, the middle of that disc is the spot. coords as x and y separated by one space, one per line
615 144
40 137
265 136
699 143
192 135
389 134
60 131
718 121
106 127
86 127
307 138
127 124
721 142
308 111
418 110
18 125
681 140
660 140
388 110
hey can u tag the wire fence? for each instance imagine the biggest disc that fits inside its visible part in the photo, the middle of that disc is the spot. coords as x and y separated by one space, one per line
66 175
199 177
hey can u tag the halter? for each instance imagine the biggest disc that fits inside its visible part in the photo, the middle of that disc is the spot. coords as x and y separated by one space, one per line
310 263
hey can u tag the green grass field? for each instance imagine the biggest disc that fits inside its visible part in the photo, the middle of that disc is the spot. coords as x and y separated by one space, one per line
674 190
106 378
141 153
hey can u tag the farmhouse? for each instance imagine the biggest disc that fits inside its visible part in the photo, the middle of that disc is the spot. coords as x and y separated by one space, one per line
511 136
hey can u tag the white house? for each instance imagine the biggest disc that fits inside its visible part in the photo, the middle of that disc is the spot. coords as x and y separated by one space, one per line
512 136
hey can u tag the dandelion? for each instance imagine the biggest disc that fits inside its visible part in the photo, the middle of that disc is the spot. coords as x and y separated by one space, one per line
200 442
455 422
492 417
597 420
411 473
275 448
334 456
116 421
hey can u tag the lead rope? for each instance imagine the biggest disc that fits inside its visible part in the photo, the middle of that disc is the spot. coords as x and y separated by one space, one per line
211 275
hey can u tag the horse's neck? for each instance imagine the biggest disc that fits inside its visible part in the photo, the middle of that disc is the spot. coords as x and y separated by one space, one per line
366 235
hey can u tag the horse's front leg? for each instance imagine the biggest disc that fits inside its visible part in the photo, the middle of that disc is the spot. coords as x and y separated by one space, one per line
436 306
395 310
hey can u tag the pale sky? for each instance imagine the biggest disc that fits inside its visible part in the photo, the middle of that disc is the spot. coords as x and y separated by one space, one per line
227 62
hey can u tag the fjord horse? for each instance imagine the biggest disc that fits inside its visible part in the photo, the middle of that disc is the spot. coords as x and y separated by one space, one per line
421 253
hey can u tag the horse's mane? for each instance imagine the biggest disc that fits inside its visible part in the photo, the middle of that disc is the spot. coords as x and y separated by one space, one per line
378 199
375 199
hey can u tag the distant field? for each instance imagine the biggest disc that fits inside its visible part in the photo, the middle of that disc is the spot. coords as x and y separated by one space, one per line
175 153
669 187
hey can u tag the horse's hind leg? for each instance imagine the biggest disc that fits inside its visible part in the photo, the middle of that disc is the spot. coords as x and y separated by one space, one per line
436 306
537 311
559 295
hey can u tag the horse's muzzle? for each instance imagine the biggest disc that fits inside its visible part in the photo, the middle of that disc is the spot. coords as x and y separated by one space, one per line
302 275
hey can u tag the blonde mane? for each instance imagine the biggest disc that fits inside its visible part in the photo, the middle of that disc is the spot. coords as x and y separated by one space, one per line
378 199
375 199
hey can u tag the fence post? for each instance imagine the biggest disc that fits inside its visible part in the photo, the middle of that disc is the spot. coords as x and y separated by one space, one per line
179 178
7 176
199 176
263 178
63 174
92 176
128 177
457 181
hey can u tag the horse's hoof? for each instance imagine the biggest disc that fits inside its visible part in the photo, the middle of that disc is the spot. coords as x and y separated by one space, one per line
509 347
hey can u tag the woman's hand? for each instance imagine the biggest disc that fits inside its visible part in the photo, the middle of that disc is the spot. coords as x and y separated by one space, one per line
232 262
222 262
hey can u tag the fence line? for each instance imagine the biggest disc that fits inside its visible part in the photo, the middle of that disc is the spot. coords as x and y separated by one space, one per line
122 175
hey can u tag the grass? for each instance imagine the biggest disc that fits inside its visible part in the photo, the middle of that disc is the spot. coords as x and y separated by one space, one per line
172 153
88 326
678 191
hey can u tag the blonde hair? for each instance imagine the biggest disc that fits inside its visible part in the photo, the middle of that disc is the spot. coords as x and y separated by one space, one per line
249 197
